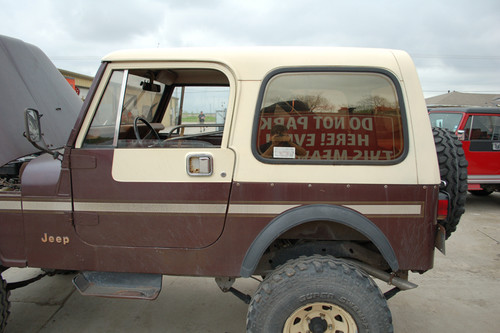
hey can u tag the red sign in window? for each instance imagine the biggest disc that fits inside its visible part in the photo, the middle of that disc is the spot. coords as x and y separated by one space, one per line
333 136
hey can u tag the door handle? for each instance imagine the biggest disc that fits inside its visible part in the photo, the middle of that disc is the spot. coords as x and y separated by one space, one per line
199 165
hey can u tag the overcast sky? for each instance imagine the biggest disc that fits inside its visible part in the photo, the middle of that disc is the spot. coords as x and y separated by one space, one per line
455 44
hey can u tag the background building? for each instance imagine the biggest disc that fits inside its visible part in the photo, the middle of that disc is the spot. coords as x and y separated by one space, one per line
455 98
80 83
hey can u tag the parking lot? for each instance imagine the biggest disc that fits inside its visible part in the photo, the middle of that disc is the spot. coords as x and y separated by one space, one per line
461 294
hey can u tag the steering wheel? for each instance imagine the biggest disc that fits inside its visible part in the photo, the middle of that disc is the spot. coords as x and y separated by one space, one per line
148 125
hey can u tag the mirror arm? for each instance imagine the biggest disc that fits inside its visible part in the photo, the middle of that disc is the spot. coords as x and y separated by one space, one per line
44 148
39 136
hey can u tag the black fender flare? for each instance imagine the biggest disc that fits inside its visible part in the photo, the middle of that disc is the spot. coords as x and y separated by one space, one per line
316 212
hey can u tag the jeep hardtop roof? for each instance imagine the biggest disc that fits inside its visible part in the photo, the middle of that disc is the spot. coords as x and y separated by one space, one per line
252 63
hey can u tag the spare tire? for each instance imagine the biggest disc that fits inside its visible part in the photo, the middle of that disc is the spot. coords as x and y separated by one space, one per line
453 171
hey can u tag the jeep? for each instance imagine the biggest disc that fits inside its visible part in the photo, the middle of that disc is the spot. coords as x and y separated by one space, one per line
479 130
314 170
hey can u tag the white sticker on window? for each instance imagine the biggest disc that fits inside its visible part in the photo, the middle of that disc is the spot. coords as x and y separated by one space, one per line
284 152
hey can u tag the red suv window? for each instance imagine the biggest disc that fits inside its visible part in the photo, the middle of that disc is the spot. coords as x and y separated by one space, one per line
482 127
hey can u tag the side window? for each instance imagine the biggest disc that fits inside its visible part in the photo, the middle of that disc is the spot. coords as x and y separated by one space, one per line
482 127
161 108
330 116
102 129
142 98
448 120
196 116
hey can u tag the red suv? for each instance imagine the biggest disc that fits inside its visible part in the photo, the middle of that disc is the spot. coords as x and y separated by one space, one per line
479 130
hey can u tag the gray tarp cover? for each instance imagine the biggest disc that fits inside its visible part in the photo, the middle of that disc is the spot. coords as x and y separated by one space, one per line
29 79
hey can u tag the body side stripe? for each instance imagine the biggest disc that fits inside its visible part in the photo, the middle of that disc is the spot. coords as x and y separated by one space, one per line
47 206
150 207
372 208
10 205
366 209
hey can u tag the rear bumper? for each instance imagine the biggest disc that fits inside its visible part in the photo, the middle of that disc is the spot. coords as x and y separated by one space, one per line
483 179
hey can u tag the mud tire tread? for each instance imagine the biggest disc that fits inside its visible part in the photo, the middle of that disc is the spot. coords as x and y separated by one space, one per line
4 304
343 284
453 171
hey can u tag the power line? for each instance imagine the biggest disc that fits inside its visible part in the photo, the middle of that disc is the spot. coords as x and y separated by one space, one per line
474 91
455 56
75 58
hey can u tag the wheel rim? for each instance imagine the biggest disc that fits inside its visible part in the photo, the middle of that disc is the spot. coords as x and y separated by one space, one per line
320 317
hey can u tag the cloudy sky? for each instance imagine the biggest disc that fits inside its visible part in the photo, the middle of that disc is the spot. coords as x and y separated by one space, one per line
454 43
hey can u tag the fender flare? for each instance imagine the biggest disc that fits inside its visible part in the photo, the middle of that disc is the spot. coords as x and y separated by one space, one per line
317 212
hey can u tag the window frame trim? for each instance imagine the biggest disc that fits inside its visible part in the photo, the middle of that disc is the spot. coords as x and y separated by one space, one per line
102 83
120 108
330 69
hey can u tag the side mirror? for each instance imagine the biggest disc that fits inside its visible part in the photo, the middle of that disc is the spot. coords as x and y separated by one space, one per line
33 131
32 126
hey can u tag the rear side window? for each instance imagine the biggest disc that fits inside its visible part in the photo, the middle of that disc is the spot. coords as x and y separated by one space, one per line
325 117
482 127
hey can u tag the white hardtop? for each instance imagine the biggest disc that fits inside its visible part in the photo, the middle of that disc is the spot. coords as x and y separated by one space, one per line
252 63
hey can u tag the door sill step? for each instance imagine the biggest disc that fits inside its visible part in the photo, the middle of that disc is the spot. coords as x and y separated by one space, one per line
119 285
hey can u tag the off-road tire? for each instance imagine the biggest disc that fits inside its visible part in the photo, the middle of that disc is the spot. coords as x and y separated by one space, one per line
4 304
322 282
453 170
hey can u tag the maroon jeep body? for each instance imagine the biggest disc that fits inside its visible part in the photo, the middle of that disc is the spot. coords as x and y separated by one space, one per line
304 167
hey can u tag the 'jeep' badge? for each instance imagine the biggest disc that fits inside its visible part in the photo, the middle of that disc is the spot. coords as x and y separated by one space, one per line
64 240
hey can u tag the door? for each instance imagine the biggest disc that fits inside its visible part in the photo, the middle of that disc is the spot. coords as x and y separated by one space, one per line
158 173
482 147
